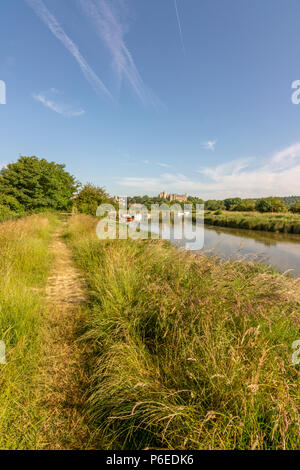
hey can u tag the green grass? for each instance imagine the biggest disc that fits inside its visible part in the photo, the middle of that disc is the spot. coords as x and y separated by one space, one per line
24 264
187 353
286 223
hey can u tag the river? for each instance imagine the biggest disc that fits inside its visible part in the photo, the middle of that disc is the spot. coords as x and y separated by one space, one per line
282 251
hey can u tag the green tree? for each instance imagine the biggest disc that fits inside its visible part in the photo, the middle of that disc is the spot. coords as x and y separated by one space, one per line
194 201
213 205
90 197
246 205
38 184
290 200
11 203
295 207
270 204
231 203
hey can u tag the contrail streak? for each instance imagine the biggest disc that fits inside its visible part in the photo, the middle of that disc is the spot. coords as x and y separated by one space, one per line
42 11
111 30
179 26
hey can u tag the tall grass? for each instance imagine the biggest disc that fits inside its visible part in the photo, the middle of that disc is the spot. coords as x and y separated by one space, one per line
286 223
188 353
24 263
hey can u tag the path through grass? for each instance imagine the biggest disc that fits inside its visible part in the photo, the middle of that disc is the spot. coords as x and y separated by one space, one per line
178 351
64 372
43 384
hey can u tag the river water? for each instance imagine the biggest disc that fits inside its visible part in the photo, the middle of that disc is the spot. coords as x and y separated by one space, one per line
279 250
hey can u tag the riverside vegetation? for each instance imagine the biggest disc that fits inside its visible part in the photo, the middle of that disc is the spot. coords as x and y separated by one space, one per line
270 222
181 352
187 353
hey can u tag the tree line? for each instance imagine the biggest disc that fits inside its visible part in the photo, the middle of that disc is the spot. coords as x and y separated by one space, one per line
267 204
33 185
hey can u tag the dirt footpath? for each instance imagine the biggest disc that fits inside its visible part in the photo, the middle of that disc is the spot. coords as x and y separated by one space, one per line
64 380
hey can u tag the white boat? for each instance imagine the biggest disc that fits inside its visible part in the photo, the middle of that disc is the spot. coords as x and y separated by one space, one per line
137 217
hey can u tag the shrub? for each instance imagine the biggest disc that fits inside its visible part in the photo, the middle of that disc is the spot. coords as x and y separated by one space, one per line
295 207
12 203
6 213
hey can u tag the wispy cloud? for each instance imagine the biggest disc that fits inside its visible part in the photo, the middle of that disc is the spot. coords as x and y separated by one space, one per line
278 175
111 30
209 145
233 168
47 99
42 11
163 165
160 164
179 26
169 181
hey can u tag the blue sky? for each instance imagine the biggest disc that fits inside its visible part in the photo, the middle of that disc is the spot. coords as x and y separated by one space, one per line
142 96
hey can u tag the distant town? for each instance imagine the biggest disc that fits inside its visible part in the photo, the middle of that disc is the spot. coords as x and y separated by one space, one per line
267 204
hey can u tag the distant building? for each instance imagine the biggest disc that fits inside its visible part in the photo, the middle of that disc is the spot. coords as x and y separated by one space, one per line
173 197
178 197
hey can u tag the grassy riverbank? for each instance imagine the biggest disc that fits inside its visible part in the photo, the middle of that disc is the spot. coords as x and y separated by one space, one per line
286 223
24 265
187 353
